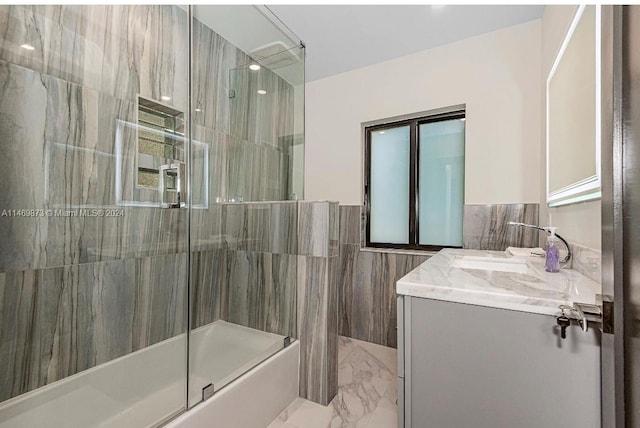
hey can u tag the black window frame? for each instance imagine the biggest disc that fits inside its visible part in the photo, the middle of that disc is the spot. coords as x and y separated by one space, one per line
414 175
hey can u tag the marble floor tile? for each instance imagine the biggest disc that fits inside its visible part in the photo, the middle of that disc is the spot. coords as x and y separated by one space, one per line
345 347
384 354
367 392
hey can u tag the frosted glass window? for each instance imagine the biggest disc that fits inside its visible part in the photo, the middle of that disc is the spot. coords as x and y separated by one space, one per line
441 183
389 185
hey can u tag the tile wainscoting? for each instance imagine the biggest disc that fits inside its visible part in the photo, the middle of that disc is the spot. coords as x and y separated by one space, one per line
367 279
485 226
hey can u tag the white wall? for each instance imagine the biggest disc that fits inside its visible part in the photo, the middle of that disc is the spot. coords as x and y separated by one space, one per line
579 223
497 76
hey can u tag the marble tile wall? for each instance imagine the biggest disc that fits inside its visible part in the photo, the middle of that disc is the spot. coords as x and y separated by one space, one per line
318 222
366 283
367 292
66 110
117 50
262 291
318 300
246 273
485 226
65 161
56 322
253 130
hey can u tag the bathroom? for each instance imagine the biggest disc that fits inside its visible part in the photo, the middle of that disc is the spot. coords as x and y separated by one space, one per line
225 215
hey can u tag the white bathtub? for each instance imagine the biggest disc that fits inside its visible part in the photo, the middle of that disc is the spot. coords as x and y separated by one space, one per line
148 386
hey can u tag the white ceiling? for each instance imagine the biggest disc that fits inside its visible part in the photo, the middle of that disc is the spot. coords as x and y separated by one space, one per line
342 38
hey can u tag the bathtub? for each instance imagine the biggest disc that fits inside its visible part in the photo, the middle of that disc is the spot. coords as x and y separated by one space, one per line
147 386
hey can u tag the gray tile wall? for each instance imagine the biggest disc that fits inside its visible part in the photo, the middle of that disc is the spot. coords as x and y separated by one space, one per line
246 273
367 283
248 134
318 300
367 292
485 226
274 267
56 322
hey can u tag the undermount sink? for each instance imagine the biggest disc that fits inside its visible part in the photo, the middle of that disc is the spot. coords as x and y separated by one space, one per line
490 263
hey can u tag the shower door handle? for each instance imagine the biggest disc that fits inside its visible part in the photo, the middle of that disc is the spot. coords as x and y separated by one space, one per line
166 171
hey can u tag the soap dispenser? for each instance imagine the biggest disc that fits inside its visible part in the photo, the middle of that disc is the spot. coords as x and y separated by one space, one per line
552 262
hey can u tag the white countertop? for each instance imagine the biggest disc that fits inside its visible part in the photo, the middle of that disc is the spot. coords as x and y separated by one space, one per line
533 290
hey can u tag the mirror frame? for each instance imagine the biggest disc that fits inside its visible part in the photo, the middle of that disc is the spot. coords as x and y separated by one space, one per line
588 188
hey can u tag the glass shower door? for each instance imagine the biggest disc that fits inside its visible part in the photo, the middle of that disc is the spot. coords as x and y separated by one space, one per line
93 271
247 127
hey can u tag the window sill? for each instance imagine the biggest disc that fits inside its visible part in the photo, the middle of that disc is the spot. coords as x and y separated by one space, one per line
399 251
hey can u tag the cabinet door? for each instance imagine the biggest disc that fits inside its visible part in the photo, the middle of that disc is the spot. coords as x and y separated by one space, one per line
475 367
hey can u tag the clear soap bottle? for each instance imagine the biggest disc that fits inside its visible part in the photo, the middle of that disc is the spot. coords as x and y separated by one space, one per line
552 261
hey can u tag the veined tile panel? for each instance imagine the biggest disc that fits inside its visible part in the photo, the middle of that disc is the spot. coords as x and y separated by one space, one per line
66 162
262 291
266 117
161 290
367 292
334 229
213 58
257 126
257 171
332 326
312 328
118 50
284 228
225 92
206 227
350 224
485 226
260 226
214 173
318 228
209 287
59 321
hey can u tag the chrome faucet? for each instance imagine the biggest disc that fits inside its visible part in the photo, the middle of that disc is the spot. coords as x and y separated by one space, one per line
544 229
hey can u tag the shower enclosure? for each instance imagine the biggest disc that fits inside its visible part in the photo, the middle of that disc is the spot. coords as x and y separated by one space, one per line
152 158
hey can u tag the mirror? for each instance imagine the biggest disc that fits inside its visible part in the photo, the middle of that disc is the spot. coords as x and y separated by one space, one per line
573 113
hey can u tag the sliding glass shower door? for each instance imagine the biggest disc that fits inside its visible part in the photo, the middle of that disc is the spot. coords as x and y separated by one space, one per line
247 147
93 271
148 214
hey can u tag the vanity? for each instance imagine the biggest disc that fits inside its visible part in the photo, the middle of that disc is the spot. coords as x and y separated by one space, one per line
479 344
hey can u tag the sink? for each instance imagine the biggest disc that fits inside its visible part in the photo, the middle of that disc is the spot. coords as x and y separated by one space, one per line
490 263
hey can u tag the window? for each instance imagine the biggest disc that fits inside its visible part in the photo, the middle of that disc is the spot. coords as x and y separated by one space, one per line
414 182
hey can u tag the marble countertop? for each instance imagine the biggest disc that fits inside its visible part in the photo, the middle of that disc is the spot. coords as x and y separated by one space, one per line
534 290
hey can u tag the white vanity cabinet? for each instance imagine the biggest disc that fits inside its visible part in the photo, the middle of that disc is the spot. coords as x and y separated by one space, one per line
466 365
